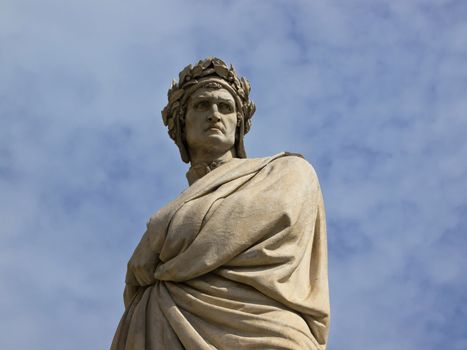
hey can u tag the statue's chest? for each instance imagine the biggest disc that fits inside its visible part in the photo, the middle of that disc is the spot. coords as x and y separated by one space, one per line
184 222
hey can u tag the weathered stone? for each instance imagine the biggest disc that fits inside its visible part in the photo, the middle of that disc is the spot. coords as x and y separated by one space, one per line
239 259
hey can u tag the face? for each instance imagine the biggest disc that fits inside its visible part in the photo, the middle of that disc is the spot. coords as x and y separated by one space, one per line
210 121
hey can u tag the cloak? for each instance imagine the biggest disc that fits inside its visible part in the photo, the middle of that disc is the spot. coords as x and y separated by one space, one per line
240 262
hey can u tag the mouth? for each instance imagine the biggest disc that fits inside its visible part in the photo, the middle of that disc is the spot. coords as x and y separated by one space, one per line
214 128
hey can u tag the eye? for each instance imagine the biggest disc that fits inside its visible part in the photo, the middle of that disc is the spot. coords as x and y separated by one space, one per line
225 107
202 106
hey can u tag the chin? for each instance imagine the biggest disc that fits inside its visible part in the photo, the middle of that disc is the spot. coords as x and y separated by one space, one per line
217 138
218 142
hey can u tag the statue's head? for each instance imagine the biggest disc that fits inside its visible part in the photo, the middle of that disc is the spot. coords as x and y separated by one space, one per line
209 78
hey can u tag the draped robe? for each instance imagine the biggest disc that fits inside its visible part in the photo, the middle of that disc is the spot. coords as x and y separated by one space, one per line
240 262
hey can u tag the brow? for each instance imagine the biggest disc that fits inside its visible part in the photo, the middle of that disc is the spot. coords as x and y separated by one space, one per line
207 97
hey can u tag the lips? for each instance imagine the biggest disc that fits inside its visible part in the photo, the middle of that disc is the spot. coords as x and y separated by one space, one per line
214 127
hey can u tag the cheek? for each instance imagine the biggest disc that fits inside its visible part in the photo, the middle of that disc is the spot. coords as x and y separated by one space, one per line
191 123
231 129
191 129
232 122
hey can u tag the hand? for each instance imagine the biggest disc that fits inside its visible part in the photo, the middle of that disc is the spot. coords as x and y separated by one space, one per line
142 264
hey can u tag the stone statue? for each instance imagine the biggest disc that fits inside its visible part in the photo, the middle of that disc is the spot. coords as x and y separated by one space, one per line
239 259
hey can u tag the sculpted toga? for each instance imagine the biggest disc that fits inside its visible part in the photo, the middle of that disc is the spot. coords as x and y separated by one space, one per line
239 259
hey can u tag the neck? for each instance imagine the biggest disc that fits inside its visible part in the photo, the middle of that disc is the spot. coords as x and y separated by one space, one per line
209 157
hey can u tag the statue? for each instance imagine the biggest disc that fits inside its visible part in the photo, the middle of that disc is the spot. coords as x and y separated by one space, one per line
239 259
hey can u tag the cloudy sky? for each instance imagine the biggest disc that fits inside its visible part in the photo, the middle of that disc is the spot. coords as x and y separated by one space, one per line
373 93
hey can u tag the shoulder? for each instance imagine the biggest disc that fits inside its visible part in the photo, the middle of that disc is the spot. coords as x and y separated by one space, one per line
284 164
290 169
293 162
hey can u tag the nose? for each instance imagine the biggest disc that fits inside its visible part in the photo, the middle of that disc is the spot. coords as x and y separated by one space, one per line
214 116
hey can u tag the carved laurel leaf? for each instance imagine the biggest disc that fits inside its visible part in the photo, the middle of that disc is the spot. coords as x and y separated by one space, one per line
175 105
217 62
171 123
206 63
222 71
175 95
246 85
232 69
247 125
252 109
208 71
165 113
196 71
183 74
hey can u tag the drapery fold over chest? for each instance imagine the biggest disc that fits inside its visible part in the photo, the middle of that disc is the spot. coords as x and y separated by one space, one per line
241 261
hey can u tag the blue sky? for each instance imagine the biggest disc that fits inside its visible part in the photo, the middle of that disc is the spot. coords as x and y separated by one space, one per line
373 93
